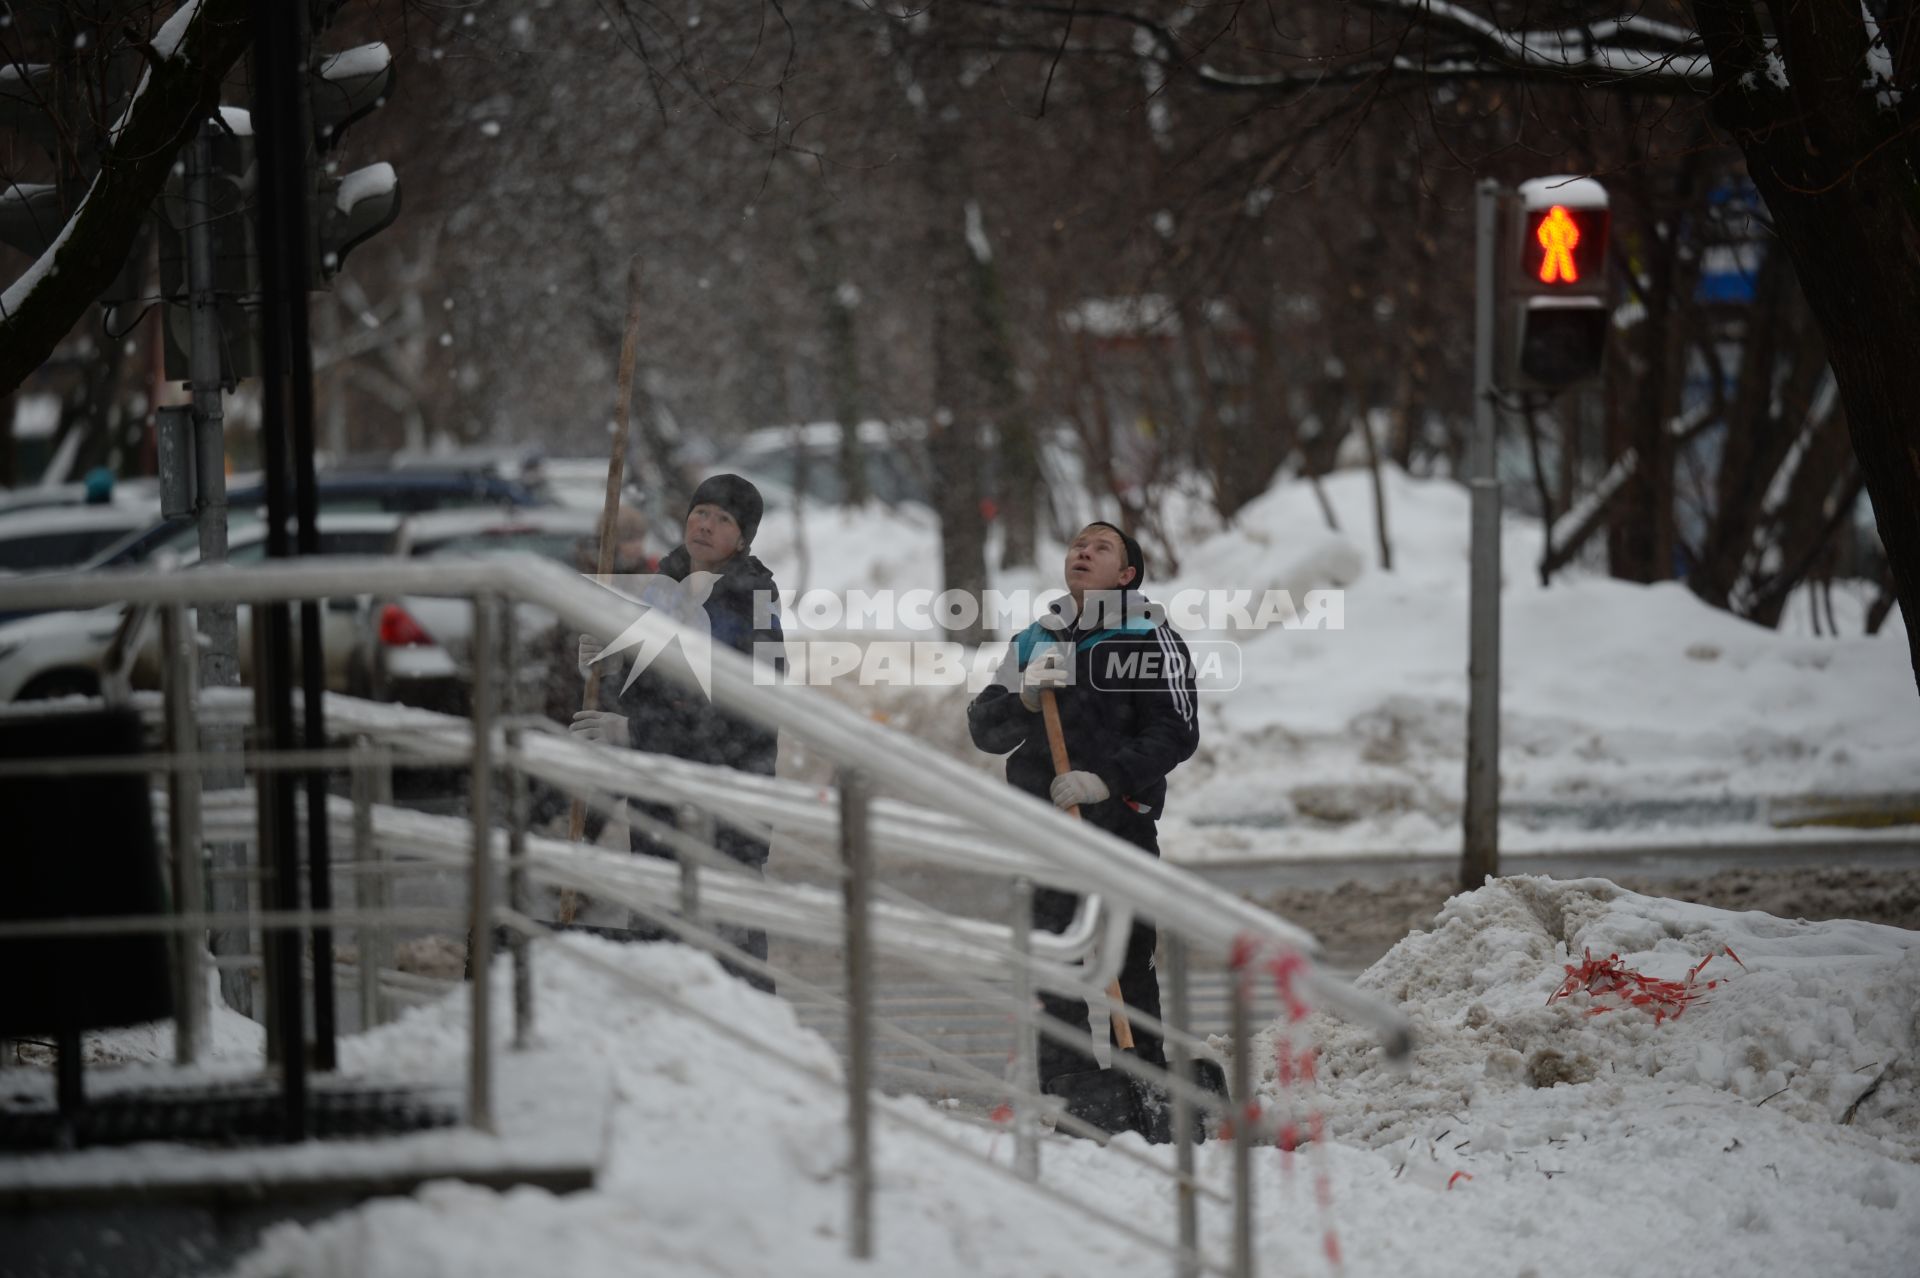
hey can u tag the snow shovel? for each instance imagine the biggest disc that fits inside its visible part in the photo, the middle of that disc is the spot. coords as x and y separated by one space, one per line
1107 1098
609 515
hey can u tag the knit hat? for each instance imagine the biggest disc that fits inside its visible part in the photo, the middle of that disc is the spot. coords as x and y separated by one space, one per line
1136 559
735 496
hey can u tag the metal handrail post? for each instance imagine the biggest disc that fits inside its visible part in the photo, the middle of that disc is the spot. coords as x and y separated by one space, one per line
1026 1065
480 884
369 890
1243 1124
855 848
179 670
1180 1017
701 825
520 897
519 890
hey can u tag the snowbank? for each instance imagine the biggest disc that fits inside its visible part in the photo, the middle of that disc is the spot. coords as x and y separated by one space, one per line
1710 1144
1612 693
1772 1127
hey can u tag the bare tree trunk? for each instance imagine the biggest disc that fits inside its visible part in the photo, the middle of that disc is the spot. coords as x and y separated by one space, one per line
954 424
837 304
1642 542
1839 179
1379 494
1016 454
1546 493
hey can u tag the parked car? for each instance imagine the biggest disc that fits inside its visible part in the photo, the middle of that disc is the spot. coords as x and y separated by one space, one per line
416 649
405 491
58 654
401 492
46 538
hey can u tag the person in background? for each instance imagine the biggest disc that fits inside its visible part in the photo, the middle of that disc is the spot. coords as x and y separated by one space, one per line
660 716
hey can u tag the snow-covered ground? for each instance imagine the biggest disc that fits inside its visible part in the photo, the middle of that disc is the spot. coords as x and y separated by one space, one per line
1528 1137
1635 700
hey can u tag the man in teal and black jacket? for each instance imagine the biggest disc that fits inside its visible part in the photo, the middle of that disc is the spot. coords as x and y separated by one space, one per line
1125 688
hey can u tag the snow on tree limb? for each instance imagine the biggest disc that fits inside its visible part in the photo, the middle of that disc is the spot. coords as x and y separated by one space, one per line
1570 532
181 87
164 45
1614 49
1648 54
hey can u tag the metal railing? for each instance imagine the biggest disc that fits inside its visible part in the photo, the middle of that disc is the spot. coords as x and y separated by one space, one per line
963 821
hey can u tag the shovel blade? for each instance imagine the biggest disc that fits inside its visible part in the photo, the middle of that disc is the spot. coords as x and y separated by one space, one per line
1209 1077
1100 1097
1154 1107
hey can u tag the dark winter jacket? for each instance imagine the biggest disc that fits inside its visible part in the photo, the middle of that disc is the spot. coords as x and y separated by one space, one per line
1130 717
665 717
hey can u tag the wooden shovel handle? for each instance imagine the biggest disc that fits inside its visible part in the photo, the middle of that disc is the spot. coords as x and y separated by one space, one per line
1057 746
609 522
1056 740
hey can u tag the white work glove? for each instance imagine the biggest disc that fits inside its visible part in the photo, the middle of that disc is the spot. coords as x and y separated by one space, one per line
1051 667
603 726
590 650
1072 789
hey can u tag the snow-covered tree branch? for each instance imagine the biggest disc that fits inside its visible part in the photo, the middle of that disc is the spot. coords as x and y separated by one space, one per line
190 55
1431 38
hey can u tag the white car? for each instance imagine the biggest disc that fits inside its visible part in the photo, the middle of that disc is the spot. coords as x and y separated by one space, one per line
59 654
45 538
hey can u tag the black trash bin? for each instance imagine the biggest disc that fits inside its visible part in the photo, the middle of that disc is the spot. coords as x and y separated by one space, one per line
75 845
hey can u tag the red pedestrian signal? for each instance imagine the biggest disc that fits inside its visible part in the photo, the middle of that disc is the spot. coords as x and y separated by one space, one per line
1558 234
1563 246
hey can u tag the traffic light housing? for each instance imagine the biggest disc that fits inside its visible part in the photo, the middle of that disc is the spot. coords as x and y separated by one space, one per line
232 185
1556 313
345 210
342 210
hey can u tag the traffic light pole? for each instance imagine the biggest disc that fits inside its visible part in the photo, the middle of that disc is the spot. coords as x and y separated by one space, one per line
220 655
1480 851
220 659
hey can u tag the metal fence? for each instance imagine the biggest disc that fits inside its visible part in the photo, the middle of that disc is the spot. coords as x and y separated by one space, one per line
849 832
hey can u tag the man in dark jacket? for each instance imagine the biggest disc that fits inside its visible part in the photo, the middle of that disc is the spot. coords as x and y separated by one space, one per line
1124 685
661 716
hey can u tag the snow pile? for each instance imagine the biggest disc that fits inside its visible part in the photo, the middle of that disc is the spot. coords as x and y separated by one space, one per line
143 1055
1777 1116
1802 1016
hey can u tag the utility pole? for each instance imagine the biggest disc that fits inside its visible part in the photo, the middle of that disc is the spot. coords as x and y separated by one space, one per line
1480 851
